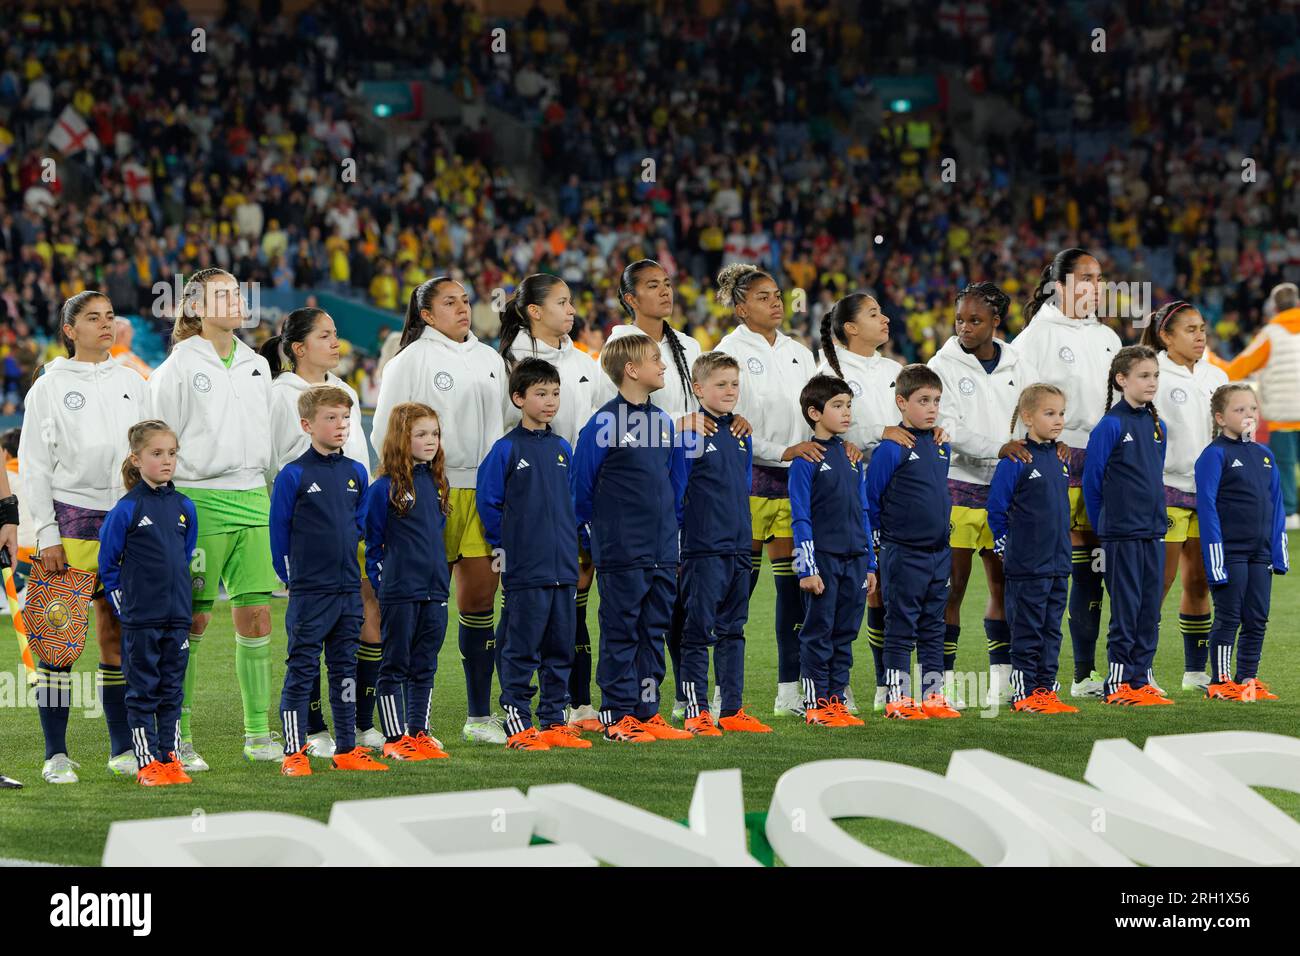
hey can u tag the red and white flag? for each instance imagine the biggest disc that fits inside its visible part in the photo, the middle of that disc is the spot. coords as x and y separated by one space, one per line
70 134
138 181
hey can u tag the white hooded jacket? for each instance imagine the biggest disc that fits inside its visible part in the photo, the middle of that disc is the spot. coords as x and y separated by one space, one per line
872 381
1183 403
584 387
771 378
222 416
464 382
977 406
1075 356
289 441
74 438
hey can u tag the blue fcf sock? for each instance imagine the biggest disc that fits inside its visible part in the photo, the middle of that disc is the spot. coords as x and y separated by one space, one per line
477 644
998 635
1196 640
876 640
950 634
53 702
112 695
368 659
1085 611
789 618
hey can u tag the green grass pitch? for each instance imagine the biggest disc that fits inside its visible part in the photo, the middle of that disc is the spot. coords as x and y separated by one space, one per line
69 824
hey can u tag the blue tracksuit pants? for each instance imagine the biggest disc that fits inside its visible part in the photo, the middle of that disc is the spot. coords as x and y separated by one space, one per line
636 609
154 661
316 623
412 632
914 604
1034 608
830 625
715 591
535 636
1134 571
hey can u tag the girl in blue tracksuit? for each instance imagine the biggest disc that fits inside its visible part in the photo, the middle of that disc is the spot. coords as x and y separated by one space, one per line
145 545
1123 490
1029 515
1243 540
406 509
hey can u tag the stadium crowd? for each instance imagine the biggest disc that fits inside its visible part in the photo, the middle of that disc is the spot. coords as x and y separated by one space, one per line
231 158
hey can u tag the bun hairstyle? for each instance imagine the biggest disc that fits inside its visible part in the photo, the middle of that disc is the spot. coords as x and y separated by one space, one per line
1029 399
189 317
734 282
832 326
137 437
1161 320
1062 265
73 307
533 290
990 295
626 287
1121 364
421 299
278 349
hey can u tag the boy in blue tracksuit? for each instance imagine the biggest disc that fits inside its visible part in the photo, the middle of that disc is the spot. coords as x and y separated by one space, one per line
1243 539
629 475
316 515
832 552
407 565
1123 490
145 545
716 565
524 501
910 505
1029 515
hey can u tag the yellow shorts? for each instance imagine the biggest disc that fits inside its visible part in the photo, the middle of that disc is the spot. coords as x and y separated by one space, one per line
463 535
771 518
83 554
1078 512
969 528
1182 525
361 559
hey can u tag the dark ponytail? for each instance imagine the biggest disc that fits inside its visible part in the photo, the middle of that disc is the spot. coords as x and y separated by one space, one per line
1062 265
1159 320
73 307
278 349
533 290
627 286
832 327
421 298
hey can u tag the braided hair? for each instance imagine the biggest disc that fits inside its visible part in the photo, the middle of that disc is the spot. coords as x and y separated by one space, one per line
990 295
533 290
734 281
1062 265
1123 361
1029 398
837 316
626 287
1160 320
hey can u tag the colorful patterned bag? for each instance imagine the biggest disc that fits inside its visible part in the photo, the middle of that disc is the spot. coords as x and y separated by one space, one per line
56 613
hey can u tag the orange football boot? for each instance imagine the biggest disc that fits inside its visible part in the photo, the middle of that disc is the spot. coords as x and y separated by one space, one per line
1059 706
1226 689
936 705
629 731
703 725
528 739
1156 696
742 722
846 719
1035 703
404 748
429 747
358 758
1126 696
905 709
177 771
564 736
823 715
1252 689
154 774
660 729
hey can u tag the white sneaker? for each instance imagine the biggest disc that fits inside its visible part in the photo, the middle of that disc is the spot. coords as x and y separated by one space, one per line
320 745
484 730
953 691
882 697
1293 522
371 737
1195 680
999 685
1151 679
190 760
583 712
266 747
1094 686
715 702
789 700
850 704
679 709
124 764
59 769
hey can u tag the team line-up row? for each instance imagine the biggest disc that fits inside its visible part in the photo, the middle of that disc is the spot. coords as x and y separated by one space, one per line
665 471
